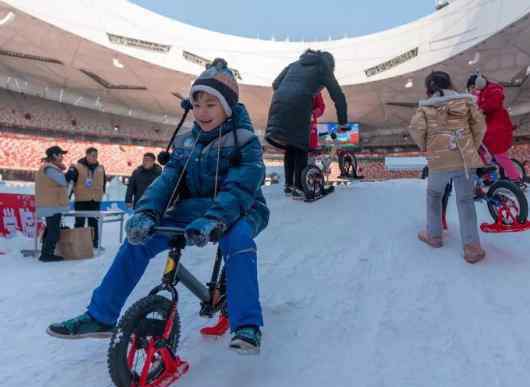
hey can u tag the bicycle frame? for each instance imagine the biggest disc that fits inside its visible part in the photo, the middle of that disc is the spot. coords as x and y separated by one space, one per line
504 212
479 184
175 272
324 160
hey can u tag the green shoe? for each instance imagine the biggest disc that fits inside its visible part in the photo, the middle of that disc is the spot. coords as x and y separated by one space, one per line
81 327
246 340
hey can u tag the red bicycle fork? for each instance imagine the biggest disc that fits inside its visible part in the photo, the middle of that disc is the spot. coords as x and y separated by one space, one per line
158 350
504 213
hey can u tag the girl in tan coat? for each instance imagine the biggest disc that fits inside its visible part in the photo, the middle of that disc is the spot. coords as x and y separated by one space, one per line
449 128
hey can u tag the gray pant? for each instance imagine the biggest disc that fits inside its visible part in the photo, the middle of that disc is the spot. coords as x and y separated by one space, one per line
464 200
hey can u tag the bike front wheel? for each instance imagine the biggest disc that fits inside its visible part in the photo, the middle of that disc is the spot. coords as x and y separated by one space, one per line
144 321
506 194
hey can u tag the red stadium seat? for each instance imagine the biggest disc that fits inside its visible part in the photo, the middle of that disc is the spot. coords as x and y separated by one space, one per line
24 152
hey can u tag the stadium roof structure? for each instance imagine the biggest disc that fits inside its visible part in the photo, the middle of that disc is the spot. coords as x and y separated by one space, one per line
117 56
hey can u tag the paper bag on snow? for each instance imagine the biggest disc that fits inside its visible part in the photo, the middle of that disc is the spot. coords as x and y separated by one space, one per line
75 243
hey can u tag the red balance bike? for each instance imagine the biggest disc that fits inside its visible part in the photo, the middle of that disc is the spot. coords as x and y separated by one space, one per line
143 349
506 201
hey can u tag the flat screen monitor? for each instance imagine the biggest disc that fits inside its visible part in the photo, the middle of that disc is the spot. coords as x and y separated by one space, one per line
350 136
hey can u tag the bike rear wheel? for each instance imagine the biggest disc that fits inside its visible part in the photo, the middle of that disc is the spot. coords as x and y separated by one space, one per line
313 181
143 321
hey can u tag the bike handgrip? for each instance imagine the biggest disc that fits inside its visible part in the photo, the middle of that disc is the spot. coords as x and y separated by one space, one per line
168 230
217 233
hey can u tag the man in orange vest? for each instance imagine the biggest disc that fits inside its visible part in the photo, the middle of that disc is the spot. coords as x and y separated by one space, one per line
51 200
89 187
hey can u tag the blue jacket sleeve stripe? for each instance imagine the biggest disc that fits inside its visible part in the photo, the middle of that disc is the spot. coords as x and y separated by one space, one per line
237 193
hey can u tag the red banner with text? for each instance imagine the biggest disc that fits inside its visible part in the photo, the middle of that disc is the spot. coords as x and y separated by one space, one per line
17 213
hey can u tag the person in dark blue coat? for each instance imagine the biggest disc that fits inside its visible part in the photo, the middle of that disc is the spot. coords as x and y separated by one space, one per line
220 167
141 178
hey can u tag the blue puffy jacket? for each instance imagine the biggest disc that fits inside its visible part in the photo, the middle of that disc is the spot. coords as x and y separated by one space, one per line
239 183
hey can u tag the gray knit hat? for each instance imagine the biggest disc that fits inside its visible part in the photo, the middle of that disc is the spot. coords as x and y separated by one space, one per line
219 81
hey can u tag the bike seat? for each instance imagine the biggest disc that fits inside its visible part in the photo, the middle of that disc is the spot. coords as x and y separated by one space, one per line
485 170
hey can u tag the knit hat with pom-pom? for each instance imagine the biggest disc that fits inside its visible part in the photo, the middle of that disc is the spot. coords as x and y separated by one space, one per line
219 81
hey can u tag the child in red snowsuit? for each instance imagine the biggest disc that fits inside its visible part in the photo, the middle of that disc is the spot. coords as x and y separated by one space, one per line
499 128
319 107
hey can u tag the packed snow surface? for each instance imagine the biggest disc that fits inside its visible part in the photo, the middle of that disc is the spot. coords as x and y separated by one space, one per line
350 298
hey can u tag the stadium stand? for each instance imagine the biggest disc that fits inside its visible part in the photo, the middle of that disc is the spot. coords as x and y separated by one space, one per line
23 111
23 152
30 124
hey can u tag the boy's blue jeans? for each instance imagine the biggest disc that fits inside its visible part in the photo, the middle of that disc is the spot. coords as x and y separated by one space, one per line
240 257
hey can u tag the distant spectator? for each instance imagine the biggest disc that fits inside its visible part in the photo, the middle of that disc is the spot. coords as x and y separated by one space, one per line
51 199
141 178
89 187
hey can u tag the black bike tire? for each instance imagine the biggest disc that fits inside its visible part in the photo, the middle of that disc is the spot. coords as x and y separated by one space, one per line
517 192
521 168
518 165
117 353
342 166
310 190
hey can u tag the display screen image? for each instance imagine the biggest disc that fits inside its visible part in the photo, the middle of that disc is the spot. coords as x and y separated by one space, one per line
350 136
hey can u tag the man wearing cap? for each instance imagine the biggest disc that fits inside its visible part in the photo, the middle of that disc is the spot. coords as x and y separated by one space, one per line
51 200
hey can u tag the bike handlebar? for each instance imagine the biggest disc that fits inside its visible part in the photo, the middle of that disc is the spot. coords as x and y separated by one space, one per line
170 231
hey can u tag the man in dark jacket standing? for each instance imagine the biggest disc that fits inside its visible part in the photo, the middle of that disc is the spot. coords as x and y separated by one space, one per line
142 178
289 121
89 180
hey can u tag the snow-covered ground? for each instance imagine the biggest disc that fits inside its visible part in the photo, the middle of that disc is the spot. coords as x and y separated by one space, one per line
350 297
